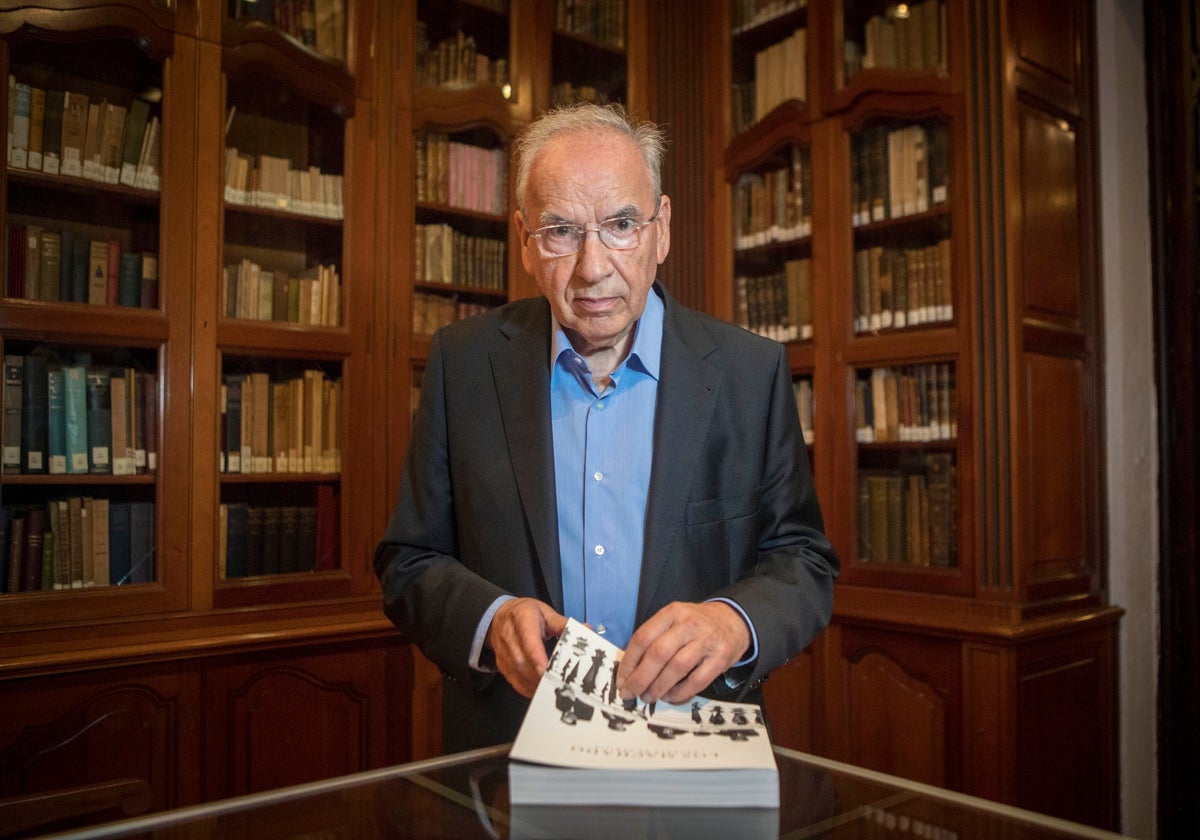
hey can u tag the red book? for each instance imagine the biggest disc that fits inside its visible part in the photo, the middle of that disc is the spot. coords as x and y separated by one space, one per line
114 271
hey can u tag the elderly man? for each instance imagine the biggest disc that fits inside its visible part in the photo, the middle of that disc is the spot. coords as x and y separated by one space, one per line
602 453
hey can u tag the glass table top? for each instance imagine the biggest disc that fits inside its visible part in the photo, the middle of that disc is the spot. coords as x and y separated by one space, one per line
466 796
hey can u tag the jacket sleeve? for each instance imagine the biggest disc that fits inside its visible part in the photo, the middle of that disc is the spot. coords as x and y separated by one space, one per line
428 593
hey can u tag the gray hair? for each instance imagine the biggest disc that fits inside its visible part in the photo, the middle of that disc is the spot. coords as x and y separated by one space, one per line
585 116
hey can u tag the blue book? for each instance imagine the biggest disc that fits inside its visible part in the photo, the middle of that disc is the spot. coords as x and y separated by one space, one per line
99 420
119 564
57 420
141 542
129 280
75 418
238 521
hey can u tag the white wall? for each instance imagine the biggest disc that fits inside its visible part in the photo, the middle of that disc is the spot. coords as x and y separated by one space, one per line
1131 416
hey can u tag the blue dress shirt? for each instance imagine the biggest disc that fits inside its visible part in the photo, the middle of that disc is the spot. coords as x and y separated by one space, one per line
603 451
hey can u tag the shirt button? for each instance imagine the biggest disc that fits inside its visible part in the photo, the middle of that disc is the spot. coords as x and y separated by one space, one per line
599 406
601 629
599 476
599 550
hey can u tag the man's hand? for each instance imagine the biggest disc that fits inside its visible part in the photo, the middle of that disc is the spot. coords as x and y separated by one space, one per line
680 650
518 635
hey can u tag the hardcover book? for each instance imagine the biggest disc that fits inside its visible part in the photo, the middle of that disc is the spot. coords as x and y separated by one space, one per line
579 744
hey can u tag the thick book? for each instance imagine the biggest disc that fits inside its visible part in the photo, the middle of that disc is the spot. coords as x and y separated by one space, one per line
99 420
35 415
141 542
14 394
119 547
75 418
579 744
52 132
56 439
4 519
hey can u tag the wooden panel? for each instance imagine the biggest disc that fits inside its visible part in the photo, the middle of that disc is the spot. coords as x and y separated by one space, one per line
300 717
791 703
1045 39
1055 495
1049 228
78 729
988 715
1065 698
901 701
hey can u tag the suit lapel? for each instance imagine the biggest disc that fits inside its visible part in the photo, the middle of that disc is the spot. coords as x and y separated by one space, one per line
521 377
687 394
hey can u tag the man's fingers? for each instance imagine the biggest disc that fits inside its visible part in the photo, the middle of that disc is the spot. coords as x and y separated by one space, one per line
680 650
517 638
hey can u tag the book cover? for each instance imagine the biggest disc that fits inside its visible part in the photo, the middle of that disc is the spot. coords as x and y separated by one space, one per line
14 392
237 521
131 148
37 124
18 150
32 558
4 520
35 411
75 418
129 280
74 133
98 513
580 744
16 548
98 272
52 132
75 541
119 545
149 285
99 420
56 396
141 542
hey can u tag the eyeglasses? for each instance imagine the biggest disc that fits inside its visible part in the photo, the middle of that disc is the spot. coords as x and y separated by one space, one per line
620 233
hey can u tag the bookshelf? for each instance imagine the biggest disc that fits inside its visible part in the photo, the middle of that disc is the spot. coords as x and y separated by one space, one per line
950 375
260 276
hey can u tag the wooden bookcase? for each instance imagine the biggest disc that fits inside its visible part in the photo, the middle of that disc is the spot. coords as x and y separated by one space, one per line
973 650
193 667
991 671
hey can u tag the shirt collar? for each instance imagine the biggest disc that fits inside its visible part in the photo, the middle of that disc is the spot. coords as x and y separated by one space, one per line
647 338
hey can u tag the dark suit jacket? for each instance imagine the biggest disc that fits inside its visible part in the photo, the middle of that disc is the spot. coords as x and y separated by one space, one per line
731 509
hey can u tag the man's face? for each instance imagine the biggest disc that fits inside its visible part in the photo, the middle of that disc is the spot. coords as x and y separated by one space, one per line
585 178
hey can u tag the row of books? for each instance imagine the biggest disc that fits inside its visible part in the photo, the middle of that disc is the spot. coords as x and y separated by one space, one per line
802 386
461 175
64 132
281 425
76 543
568 93
748 14
444 255
908 36
600 20
899 171
318 24
774 206
778 306
274 183
73 418
909 515
49 264
278 540
902 287
781 73
916 403
457 61
430 312
313 298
